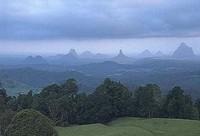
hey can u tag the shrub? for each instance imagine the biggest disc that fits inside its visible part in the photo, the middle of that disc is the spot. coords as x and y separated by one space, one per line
30 123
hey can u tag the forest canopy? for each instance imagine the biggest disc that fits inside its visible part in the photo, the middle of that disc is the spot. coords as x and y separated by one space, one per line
64 105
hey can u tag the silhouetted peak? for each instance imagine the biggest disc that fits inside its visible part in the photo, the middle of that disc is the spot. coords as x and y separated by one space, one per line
184 45
121 54
159 53
72 52
183 51
146 53
121 58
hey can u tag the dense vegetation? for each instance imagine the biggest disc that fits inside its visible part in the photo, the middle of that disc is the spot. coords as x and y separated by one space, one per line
65 105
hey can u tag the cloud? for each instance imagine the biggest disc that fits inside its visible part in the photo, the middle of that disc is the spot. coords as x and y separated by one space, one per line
94 19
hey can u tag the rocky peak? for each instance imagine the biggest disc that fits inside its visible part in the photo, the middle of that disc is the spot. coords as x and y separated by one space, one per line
183 51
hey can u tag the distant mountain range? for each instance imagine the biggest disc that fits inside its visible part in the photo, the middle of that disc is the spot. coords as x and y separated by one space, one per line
73 58
35 72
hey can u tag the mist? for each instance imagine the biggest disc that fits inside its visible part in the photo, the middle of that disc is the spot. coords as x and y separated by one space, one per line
106 46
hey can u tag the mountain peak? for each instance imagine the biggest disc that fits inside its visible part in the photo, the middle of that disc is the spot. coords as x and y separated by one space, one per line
72 52
121 54
183 51
183 45
121 58
87 54
146 53
159 53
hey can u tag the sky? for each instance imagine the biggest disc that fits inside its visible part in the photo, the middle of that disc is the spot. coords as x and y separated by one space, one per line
55 26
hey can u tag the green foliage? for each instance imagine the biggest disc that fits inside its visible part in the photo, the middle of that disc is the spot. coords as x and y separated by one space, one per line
51 91
25 100
5 119
3 97
65 106
59 102
70 86
178 105
110 101
197 105
30 123
147 101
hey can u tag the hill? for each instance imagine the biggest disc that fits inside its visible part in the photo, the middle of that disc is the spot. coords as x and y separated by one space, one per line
136 127
35 60
24 79
166 73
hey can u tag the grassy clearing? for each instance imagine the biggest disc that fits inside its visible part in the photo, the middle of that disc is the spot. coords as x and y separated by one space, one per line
136 127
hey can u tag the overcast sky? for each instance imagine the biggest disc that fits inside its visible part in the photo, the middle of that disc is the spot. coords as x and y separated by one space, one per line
99 25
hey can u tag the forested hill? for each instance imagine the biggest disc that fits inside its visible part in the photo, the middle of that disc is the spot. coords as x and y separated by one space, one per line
167 73
22 80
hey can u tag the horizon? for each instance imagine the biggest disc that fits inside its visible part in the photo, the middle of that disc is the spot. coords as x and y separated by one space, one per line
130 47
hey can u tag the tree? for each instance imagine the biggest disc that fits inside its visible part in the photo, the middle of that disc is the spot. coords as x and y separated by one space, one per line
147 100
83 109
6 114
5 119
67 112
58 102
174 104
24 101
190 111
67 104
70 86
110 100
30 123
46 101
3 99
197 105
52 91
179 105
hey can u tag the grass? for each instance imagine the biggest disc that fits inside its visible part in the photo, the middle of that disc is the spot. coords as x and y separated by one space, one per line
135 127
